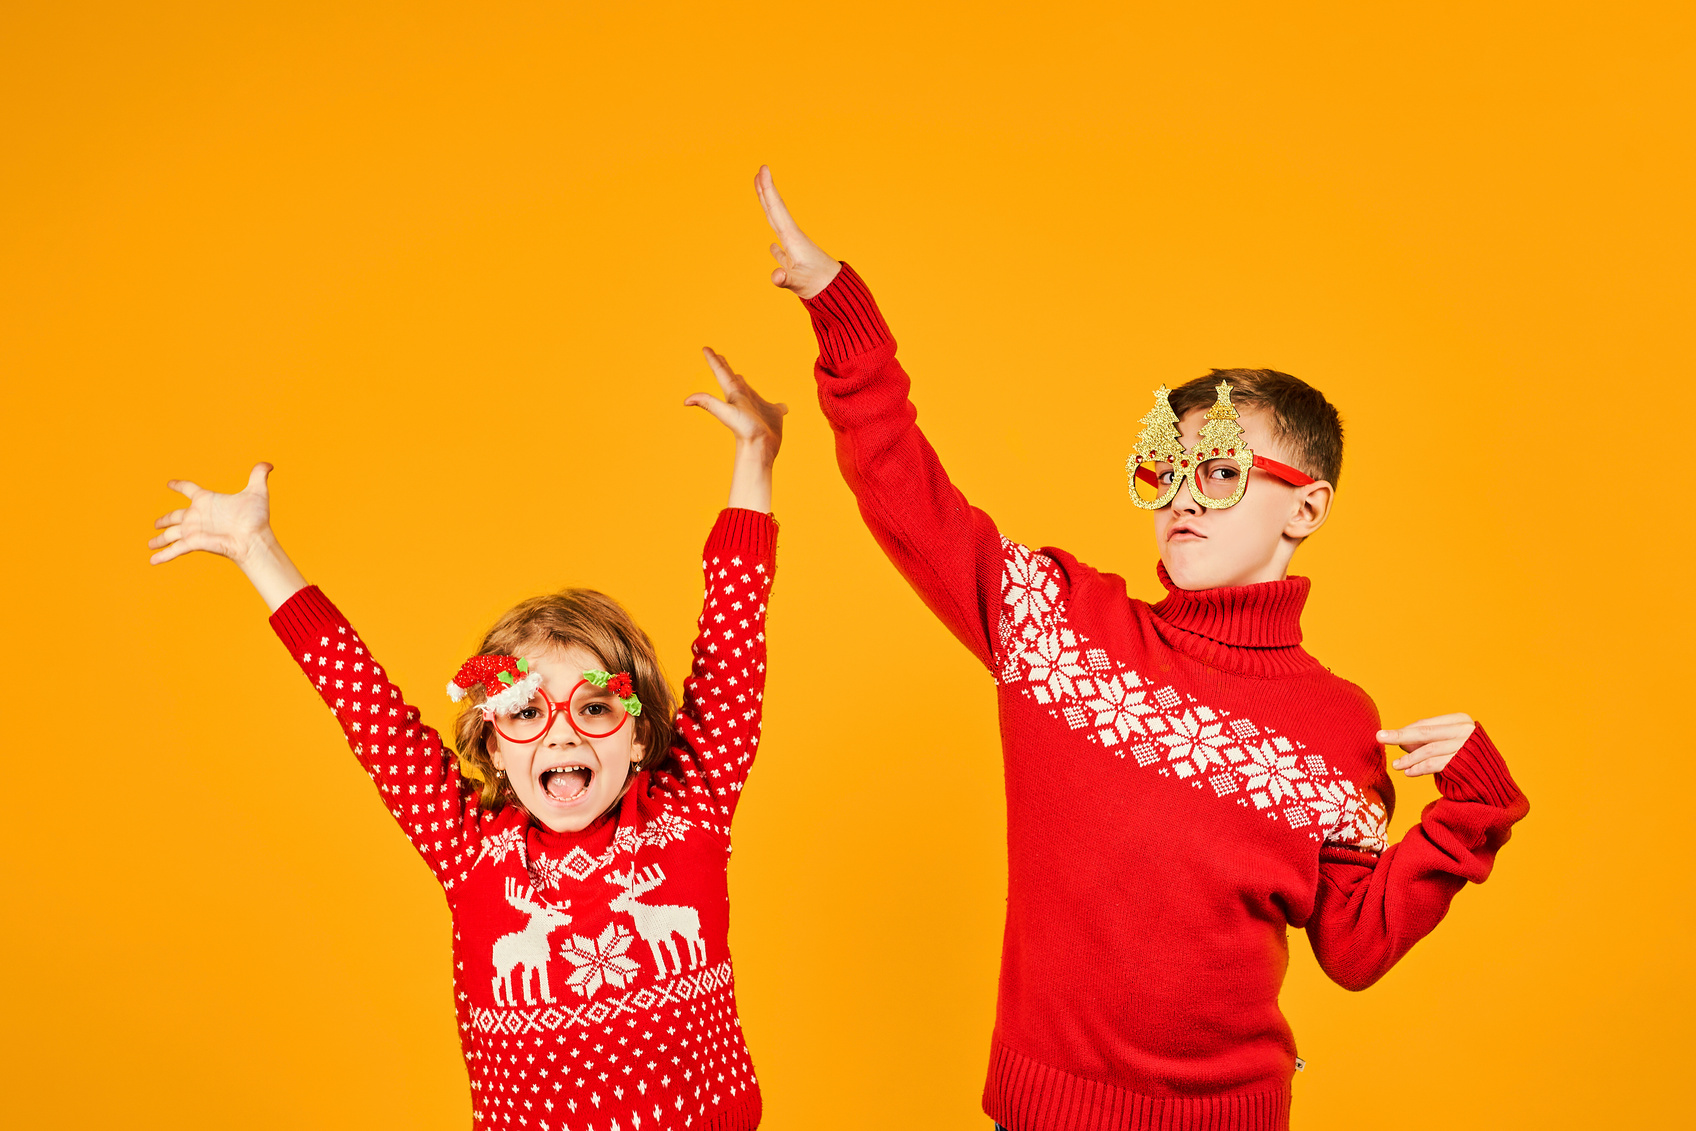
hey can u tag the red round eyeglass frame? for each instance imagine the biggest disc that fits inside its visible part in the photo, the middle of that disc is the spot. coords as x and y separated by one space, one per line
1271 466
553 711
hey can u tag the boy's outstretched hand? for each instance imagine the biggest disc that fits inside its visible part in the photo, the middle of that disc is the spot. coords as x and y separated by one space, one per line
235 526
1429 743
802 266
757 425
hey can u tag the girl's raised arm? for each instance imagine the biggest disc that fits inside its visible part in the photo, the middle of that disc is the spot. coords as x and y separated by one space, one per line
418 777
718 725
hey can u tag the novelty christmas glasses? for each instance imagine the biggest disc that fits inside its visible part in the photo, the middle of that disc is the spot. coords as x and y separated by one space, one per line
1216 469
521 709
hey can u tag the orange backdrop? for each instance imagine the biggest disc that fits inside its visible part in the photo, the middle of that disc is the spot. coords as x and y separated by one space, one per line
428 257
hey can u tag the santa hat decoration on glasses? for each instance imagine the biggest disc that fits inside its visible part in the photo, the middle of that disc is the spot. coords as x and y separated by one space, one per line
521 709
507 683
1217 468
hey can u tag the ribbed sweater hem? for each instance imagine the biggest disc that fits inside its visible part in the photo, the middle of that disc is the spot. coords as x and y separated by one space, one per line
743 1115
1023 1095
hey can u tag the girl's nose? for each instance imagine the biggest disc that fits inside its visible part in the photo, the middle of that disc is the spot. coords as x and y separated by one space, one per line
561 733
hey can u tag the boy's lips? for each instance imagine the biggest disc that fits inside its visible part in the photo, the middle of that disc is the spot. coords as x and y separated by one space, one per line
1184 532
565 783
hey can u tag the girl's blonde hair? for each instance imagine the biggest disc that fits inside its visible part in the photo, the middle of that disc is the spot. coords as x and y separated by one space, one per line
596 623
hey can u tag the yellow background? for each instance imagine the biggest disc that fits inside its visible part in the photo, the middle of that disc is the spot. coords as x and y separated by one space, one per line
431 258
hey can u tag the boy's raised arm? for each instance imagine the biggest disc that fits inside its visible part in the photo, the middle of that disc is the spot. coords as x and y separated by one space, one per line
1370 910
948 550
417 776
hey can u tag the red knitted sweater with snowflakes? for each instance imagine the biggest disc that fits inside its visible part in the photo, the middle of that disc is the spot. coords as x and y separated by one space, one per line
1184 783
591 971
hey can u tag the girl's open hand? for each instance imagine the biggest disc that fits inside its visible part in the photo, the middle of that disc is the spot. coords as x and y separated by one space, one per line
802 266
1429 743
231 525
755 421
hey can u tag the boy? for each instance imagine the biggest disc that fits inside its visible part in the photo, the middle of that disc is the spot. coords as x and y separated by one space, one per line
1183 781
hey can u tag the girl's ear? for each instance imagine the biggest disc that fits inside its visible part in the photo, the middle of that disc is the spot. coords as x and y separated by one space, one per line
494 752
637 752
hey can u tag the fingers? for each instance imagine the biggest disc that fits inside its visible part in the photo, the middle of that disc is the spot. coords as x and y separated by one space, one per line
1456 717
725 415
257 477
781 255
162 540
777 213
175 550
727 378
1417 755
1420 733
1428 766
171 519
185 487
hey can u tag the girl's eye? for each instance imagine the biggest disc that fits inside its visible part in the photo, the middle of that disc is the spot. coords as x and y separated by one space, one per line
595 709
529 713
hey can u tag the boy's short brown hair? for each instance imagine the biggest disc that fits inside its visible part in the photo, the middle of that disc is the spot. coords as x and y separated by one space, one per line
596 623
1301 416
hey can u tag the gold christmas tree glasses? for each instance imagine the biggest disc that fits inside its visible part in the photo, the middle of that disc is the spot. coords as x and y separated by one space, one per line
1216 469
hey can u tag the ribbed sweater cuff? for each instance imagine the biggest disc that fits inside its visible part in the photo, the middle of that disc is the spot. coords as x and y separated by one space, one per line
846 318
744 531
301 620
1477 773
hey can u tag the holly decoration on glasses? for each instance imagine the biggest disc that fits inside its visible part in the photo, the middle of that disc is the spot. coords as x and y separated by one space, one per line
620 684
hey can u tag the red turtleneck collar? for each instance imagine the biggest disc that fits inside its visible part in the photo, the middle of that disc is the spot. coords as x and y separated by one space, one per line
1267 615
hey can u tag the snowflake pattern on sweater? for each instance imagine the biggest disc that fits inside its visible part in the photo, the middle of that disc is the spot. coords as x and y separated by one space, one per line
1166 730
592 979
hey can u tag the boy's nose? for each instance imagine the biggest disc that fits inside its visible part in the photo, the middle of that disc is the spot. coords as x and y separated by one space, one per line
1183 500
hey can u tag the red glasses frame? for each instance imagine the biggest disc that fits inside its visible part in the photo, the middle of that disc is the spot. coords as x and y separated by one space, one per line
1271 466
553 713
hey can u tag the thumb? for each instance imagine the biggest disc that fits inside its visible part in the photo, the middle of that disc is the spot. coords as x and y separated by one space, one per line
257 477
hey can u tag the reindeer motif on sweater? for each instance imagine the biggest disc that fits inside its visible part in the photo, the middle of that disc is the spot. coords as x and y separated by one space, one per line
657 922
527 947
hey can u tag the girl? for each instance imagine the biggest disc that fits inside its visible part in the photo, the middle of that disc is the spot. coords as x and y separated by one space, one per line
584 863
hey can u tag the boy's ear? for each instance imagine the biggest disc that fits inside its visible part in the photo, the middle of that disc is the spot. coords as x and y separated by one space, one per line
1312 508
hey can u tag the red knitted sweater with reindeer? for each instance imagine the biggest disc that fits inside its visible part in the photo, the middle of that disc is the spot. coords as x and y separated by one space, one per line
591 971
1184 783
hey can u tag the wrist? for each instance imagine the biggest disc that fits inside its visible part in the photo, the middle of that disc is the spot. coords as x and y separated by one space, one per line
826 277
269 569
256 551
758 453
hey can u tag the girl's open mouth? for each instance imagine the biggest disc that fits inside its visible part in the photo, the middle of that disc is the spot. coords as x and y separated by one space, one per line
566 784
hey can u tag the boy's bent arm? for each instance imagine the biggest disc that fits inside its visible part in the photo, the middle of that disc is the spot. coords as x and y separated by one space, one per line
1368 911
948 550
417 776
718 724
